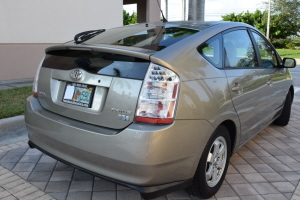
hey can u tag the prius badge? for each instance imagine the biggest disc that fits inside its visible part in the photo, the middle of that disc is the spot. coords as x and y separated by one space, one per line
123 115
76 74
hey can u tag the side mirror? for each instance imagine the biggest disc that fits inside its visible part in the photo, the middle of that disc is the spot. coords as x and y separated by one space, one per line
289 63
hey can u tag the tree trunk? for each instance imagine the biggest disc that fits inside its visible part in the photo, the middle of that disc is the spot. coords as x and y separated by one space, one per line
196 10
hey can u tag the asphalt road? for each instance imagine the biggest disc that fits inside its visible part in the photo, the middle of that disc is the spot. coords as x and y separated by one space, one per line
296 77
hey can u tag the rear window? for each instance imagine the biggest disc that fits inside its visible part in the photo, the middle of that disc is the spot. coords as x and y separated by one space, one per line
142 36
97 63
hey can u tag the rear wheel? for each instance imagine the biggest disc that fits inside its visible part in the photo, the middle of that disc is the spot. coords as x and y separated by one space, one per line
213 165
284 117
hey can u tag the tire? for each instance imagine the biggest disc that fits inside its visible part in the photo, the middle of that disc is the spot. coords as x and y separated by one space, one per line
284 117
206 186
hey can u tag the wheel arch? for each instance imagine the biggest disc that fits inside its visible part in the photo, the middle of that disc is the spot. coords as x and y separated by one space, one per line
292 92
231 127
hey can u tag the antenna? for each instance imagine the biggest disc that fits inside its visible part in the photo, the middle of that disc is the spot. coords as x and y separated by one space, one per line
164 19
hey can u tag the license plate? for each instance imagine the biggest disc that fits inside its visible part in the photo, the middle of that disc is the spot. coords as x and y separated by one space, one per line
79 94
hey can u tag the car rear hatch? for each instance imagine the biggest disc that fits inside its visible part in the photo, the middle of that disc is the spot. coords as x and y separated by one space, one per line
99 86
99 80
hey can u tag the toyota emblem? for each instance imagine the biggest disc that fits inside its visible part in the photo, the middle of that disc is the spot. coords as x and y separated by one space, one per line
76 74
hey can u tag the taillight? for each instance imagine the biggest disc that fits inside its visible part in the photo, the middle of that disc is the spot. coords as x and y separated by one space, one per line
34 86
158 96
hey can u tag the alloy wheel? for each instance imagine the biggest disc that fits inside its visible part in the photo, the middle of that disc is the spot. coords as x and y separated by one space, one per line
216 161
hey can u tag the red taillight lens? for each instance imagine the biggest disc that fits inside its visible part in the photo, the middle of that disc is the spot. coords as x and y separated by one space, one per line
158 96
35 94
154 120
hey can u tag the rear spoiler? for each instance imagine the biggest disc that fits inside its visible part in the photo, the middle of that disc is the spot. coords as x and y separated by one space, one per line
123 50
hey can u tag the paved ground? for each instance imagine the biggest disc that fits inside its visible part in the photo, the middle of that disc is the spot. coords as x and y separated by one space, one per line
267 167
12 186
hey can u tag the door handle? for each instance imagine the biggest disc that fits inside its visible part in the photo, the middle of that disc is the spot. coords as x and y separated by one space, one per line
237 88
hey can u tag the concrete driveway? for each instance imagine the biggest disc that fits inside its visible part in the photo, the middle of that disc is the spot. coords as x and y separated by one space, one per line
267 167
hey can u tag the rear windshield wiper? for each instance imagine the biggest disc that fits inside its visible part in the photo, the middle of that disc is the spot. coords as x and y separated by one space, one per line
83 36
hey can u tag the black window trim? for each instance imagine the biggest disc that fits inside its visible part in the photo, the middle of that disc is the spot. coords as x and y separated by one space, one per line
252 39
257 53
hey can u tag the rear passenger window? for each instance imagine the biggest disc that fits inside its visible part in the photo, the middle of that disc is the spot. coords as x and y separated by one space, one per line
211 50
267 54
238 50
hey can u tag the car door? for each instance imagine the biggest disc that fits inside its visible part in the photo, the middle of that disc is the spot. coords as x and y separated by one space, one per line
277 87
247 81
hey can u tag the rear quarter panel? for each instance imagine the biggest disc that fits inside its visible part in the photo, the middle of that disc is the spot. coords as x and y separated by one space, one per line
204 92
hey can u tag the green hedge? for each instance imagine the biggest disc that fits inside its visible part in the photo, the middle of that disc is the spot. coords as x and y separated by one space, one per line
286 43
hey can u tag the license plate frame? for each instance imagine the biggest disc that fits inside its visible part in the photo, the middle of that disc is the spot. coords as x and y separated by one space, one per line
79 94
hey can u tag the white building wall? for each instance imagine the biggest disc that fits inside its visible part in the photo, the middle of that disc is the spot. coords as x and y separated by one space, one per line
55 21
27 27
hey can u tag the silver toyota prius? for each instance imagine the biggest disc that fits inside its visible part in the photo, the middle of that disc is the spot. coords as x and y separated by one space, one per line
158 107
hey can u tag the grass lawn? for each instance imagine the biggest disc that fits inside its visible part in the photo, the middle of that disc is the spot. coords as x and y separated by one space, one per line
289 53
13 101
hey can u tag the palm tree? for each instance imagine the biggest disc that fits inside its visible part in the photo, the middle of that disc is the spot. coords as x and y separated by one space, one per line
196 10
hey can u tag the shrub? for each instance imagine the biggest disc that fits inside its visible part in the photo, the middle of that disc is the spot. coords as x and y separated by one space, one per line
292 45
281 43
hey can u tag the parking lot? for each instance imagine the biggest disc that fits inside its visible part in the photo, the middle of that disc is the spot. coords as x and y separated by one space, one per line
267 167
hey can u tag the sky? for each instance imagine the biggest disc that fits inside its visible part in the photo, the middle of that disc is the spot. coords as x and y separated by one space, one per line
213 8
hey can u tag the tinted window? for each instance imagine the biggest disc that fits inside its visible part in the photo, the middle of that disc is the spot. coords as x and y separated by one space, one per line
152 37
238 49
211 50
97 63
267 54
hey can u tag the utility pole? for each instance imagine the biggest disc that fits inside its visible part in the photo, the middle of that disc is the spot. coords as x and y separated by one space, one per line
184 10
166 9
196 10
268 24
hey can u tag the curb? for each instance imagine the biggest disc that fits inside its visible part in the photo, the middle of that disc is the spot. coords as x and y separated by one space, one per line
12 130
297 61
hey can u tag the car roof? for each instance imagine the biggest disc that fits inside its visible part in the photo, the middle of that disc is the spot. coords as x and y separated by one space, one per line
198 25
205 30
153 36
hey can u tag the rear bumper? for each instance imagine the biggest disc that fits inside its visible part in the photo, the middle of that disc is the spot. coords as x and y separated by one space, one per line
146 192
141 156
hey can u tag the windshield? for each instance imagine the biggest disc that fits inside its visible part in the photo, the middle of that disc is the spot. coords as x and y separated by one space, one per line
143 36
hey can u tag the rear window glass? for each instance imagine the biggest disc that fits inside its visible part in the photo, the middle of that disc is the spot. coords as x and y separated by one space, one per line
97 63
147 37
